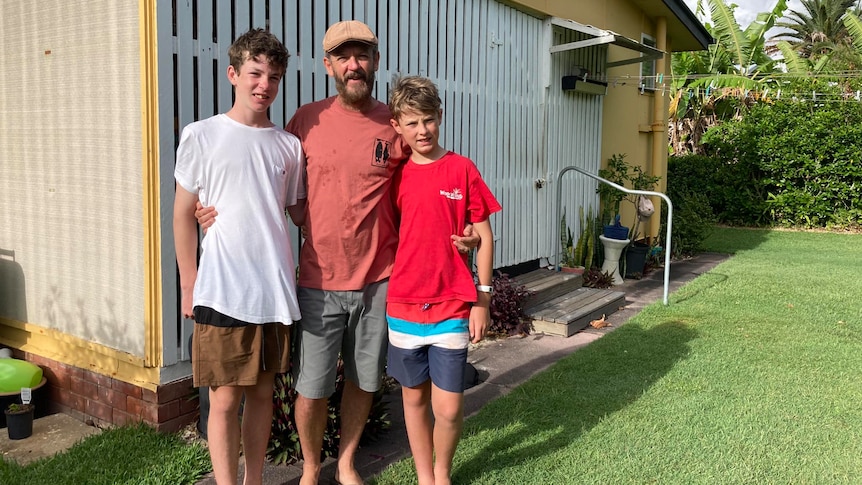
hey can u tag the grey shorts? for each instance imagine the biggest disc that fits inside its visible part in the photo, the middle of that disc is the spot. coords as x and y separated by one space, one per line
352 323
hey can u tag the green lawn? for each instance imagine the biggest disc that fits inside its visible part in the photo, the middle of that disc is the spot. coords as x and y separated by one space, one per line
130 455
751 375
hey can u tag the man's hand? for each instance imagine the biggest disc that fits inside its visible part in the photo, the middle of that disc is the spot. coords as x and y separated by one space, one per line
466 243
205 215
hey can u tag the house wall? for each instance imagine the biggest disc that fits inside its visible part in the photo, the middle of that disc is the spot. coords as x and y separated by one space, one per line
629 115
70 204
73 230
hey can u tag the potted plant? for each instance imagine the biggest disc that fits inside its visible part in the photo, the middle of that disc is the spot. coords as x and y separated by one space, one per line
610 198
568 264
578 257
636 253
19 420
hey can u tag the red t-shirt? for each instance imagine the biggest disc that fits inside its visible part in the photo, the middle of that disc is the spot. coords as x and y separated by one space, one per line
350 158
435 201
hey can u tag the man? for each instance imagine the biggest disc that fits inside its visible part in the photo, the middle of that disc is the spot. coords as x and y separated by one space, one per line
351 152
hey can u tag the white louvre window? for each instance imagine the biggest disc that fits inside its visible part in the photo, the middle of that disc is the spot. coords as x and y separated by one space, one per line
648 67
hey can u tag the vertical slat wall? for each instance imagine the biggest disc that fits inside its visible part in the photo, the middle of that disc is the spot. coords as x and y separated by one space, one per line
485 57
574 134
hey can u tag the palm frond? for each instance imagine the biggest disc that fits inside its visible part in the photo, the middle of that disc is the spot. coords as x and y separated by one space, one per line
795 64
854 27
729 34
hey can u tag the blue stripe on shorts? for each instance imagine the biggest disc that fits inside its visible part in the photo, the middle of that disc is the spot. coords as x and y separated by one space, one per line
450 334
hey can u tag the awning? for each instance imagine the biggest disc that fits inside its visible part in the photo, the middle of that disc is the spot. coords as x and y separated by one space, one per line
601 37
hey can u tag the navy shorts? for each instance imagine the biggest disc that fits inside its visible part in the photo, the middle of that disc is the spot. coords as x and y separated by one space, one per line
412 367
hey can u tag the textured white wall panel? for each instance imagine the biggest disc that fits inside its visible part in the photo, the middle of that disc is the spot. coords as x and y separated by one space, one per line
70 169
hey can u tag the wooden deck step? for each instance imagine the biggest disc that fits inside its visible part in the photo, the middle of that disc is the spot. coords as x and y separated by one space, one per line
547 285
572 312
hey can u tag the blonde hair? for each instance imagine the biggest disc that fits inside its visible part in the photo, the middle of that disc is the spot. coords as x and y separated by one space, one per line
415 93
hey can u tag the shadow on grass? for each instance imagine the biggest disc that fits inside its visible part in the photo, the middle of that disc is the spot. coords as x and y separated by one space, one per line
730 240
570 398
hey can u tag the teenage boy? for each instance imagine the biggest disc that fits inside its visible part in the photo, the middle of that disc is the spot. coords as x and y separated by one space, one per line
433 308
242 294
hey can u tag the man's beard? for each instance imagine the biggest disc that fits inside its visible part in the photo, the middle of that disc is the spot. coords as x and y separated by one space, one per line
357 94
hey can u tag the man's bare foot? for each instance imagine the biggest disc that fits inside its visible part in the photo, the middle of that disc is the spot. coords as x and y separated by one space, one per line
310 475
348 477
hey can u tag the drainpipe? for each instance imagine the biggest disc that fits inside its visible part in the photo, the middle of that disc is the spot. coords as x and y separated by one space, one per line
659 125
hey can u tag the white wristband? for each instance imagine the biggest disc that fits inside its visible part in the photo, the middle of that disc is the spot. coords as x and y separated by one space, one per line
485 288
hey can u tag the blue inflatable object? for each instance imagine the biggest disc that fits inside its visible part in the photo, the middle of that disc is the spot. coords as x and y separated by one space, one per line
15 374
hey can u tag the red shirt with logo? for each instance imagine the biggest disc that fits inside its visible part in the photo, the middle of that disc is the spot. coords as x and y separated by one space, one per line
434 202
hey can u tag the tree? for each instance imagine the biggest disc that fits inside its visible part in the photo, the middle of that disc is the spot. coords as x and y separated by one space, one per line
818 28
716 84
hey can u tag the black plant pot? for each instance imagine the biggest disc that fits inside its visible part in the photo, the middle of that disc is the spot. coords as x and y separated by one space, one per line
19 424
636 255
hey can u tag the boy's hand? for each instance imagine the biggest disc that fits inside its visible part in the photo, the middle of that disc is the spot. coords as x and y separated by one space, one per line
466 243
186 305
480 318
205 215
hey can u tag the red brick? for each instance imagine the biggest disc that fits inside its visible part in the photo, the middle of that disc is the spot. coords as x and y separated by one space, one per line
147 411
101 380
57 374
39 360
121 418
174 425
189 405
115 399
134 406
74 401
168 411
175 390
126 388
148 395
87 389
99 410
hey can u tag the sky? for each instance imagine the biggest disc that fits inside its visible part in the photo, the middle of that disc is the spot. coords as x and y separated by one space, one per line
747 10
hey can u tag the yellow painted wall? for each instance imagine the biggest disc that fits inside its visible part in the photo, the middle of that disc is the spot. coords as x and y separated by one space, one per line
629 116
71 232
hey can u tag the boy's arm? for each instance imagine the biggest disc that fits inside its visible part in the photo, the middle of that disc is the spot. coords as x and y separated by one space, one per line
186 244
480 314
297 212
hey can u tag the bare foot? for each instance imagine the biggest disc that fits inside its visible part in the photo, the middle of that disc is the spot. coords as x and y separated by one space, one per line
348 477
310 475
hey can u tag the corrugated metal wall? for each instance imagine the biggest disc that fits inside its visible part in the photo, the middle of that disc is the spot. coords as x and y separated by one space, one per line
574 134
487 59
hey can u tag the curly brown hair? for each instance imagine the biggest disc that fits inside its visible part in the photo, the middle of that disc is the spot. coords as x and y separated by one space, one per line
255 43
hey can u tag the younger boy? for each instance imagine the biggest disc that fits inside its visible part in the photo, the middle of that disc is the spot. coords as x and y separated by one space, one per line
242 295
433 309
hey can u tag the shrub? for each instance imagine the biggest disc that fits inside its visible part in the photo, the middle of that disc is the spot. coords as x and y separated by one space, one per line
792 164
284 445
596 278
507 307
691 186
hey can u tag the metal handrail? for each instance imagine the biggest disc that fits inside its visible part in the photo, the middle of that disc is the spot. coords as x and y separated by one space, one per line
628 191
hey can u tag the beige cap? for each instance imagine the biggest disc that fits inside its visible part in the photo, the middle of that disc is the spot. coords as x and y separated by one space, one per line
347 31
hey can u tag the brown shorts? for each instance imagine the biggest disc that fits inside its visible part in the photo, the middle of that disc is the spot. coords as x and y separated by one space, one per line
235 356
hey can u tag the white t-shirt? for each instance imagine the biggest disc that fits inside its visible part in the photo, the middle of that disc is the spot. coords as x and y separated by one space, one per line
250 175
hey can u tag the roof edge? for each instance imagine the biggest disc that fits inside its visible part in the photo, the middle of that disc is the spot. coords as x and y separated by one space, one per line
690 21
